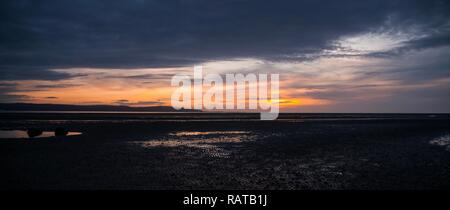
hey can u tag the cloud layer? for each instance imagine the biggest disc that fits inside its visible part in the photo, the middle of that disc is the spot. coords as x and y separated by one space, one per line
398 43
41 35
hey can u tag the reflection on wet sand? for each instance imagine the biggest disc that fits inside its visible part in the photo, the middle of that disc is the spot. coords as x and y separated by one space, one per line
20 134
443 141
212 143
203 133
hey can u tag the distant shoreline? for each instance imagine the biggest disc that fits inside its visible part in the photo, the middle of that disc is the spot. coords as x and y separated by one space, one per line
208 116
19 107
118 109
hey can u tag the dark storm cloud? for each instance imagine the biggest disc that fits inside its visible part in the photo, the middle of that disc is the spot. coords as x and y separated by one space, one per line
36 36
19 71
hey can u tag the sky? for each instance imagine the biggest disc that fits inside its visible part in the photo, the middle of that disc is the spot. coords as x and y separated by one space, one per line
332 56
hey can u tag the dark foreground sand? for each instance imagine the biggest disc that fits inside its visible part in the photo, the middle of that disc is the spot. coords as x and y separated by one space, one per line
134 153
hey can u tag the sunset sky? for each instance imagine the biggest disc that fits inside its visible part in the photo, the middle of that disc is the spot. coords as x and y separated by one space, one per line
332 56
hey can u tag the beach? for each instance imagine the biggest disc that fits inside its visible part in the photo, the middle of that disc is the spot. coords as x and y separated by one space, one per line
164 151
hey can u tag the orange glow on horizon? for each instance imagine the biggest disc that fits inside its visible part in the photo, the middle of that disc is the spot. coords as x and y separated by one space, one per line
116 87
95 95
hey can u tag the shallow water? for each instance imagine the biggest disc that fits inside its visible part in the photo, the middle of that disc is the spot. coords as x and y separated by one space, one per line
20 134
200 133
209 142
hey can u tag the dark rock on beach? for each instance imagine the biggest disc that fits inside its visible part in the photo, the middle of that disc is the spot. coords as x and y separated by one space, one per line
33 132
59 131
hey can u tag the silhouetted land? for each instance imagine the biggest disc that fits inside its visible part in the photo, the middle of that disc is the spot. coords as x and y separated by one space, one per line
67 107
227 151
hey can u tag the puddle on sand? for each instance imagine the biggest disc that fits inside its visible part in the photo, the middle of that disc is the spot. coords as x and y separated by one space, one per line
443 141
204 141
20 134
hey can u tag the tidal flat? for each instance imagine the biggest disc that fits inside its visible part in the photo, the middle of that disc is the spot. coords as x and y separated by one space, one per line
154 151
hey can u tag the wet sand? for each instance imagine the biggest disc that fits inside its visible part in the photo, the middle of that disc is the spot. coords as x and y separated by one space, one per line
301 152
